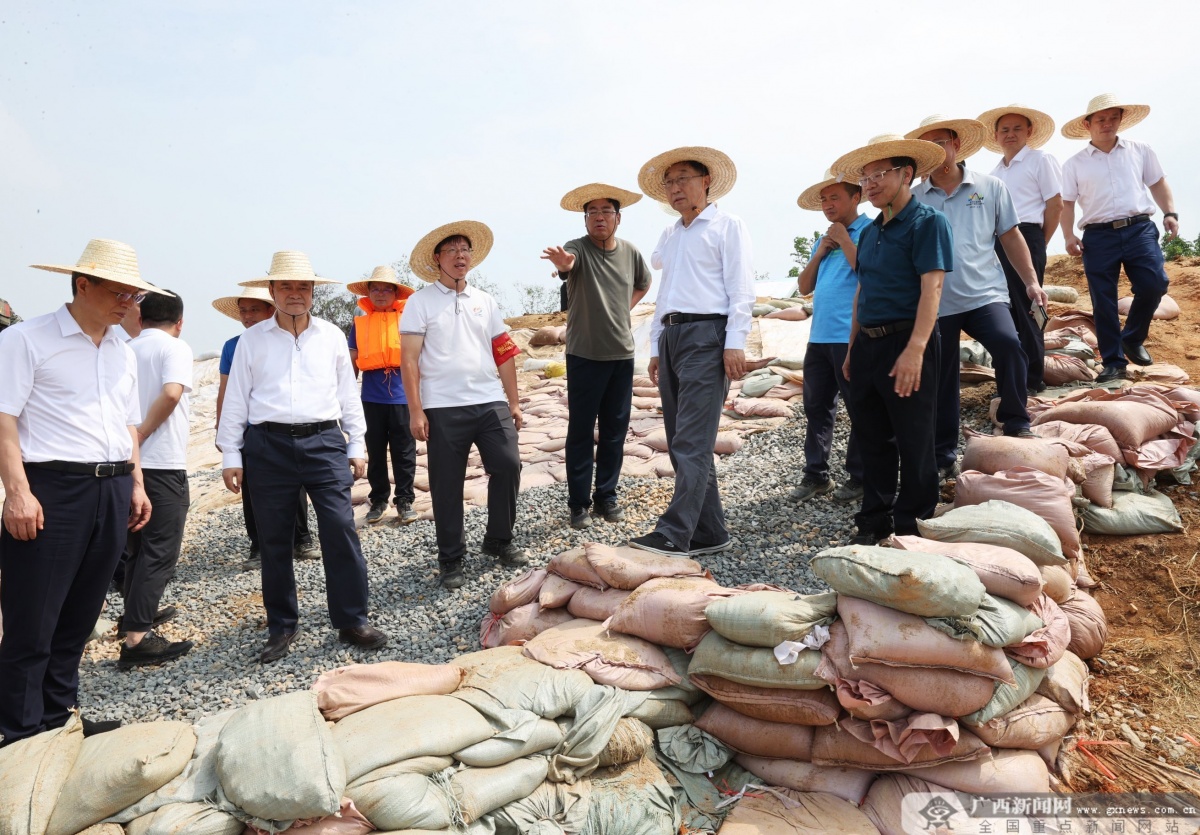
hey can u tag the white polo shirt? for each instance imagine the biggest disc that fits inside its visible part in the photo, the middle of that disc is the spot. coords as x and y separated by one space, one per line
456 363
1112 186
163 359
1032 178
73 401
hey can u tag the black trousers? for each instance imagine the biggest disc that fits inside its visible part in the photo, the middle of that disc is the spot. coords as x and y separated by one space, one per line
300 532
388 429
599 394
1032 342
452 430
895 434
823 384
52 592
152 553
282 465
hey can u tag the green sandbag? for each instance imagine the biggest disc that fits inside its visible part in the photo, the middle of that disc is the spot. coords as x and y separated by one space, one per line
998 623
754 665
997 522
1133 515
927 585
1006 696
768 618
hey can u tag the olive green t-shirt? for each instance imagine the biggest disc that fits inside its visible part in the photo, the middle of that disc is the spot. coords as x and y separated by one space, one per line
599 289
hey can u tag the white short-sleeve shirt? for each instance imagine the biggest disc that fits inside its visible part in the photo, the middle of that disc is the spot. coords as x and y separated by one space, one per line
1112 186
1032 177
163 359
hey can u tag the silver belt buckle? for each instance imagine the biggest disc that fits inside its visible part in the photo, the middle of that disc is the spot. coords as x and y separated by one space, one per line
1121 224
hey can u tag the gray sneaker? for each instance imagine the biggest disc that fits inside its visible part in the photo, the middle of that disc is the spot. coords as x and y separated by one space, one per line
376 512
850 490
405 515
810 487
580 518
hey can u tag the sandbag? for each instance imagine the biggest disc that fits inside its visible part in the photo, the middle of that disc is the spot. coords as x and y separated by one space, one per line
505 678
1057 582
277 760
1097 486
632 799
1060 293
622 567
346 690
790 314
1131 422
995 453
998 523
928 585
550 809
768 618
1004 572
1007 696
850 784
1047 496
1132 514
998 623
754 665
864 700
784 812
607 657
908 738
837 747
755 736
517 592
557 591
548 335
400 729
663 713
1095 437
1167 308
1089 625
1045 645
758 385
1005 772
517 626
574 565
404 795
185 819
594 604
478 791
116 769
1035 722
500 750
884 803
760 407
772 704
1066 683
1060 369
347 820
630 741
668 610
32 772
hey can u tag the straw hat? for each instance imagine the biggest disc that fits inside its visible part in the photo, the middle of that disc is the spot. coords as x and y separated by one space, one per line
810 198
109 260
577 198
1039 134
720 169
1134 113
425 266
927 155
971 132
229 304
288 265
381 275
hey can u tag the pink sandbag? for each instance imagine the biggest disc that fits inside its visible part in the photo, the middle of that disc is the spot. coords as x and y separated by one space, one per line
1004 572
607 657
1060 369
1043 647
779 811
1005 772
1160 372
727 443
1099 475
1034 723
884 803
785 391
771 704
656 440
646 391
790 314
904 740
350 689
517 592
994 453
850 784
574 565
622 567
1133 415
1058 583
557 591
518 626
1167 308
834 746
1095 437
1081 323
346 821
754 736
1049 496
1089 625
760 407
549 335
646 402
594 604
669 611
637 450
864 700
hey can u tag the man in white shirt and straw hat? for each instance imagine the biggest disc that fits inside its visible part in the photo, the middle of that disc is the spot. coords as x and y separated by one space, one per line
605 277
1117 183
975 294
698 338
1034 180
290 406
251 306
69 414
460 376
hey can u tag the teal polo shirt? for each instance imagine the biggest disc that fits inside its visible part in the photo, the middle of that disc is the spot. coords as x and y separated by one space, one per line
892 257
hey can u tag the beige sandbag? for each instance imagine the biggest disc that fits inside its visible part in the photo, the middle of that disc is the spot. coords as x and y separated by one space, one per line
1004 572
768 618
1058 584
998 523
994 453
607 657
403 795
574 565
630 741
1167 308
727 443
1131 422
1005 772
1048 496
754 736
784 812
521 624
1066 683
622 567
1089 625
668 611
755 666
482 790
185 819
594 604
791 314
557 591
504 678
32 772
347 690
116 769
500 750
1060 293
548 335
1095 437
771 704
517 592
1035 722
928 585
663 713
834 746
1060 369
884 803
760 407
850 784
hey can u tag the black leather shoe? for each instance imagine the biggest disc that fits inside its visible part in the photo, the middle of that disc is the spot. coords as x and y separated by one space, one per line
277 647
365 636
1136 354
1111 373
163 615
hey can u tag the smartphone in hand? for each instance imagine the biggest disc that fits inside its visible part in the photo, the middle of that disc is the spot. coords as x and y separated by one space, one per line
1039 315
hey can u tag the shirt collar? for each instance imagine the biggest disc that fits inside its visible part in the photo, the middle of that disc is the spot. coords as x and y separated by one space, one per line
1092 149
709 213
859 222
446 291
926 185
67 325
901 215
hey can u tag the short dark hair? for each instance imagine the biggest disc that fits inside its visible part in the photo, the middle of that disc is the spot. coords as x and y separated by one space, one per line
699 167
853 190
75 282
160 309
901 162
453 239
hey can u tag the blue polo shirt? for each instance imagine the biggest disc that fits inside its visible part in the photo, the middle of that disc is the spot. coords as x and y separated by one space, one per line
381 385
893 257
833 296
227 354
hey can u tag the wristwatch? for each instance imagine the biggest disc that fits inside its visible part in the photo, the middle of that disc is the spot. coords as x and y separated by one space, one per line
1171 214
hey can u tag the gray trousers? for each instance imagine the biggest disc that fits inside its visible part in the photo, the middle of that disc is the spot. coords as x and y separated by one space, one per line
693 385
152 553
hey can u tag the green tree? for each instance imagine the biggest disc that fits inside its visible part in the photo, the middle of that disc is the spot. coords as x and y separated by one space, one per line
802 253
333 303
1178 247
537 298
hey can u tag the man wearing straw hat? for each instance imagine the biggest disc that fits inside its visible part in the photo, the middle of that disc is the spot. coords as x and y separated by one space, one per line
829 276
891 364
975 295
605 277
460 375
290 404
1117 183
375 349
698 337
1034 179
251 306
69 463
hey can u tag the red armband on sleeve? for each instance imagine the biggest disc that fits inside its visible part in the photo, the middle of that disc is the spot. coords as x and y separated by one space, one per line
504 349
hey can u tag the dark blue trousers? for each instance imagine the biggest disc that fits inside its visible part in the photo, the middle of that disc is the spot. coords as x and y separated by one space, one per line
301 535
1105 252
282 465
599 395
895 434
52 589
1032 341
823 384
993 327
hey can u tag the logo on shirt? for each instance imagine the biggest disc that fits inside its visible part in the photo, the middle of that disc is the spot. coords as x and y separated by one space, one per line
975 201
477 311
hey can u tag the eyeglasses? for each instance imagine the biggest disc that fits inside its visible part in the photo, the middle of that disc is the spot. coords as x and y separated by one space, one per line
600 212
455 250
679 181
941 143
136 298
877 177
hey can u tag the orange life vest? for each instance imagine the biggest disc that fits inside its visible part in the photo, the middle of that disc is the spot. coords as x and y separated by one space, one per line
377 335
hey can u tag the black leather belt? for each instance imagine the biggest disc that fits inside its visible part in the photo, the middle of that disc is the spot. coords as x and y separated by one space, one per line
1119 224
104 469
888 329
683 318
298 430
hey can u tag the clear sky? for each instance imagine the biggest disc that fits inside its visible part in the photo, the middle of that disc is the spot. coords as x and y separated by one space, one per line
210 134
